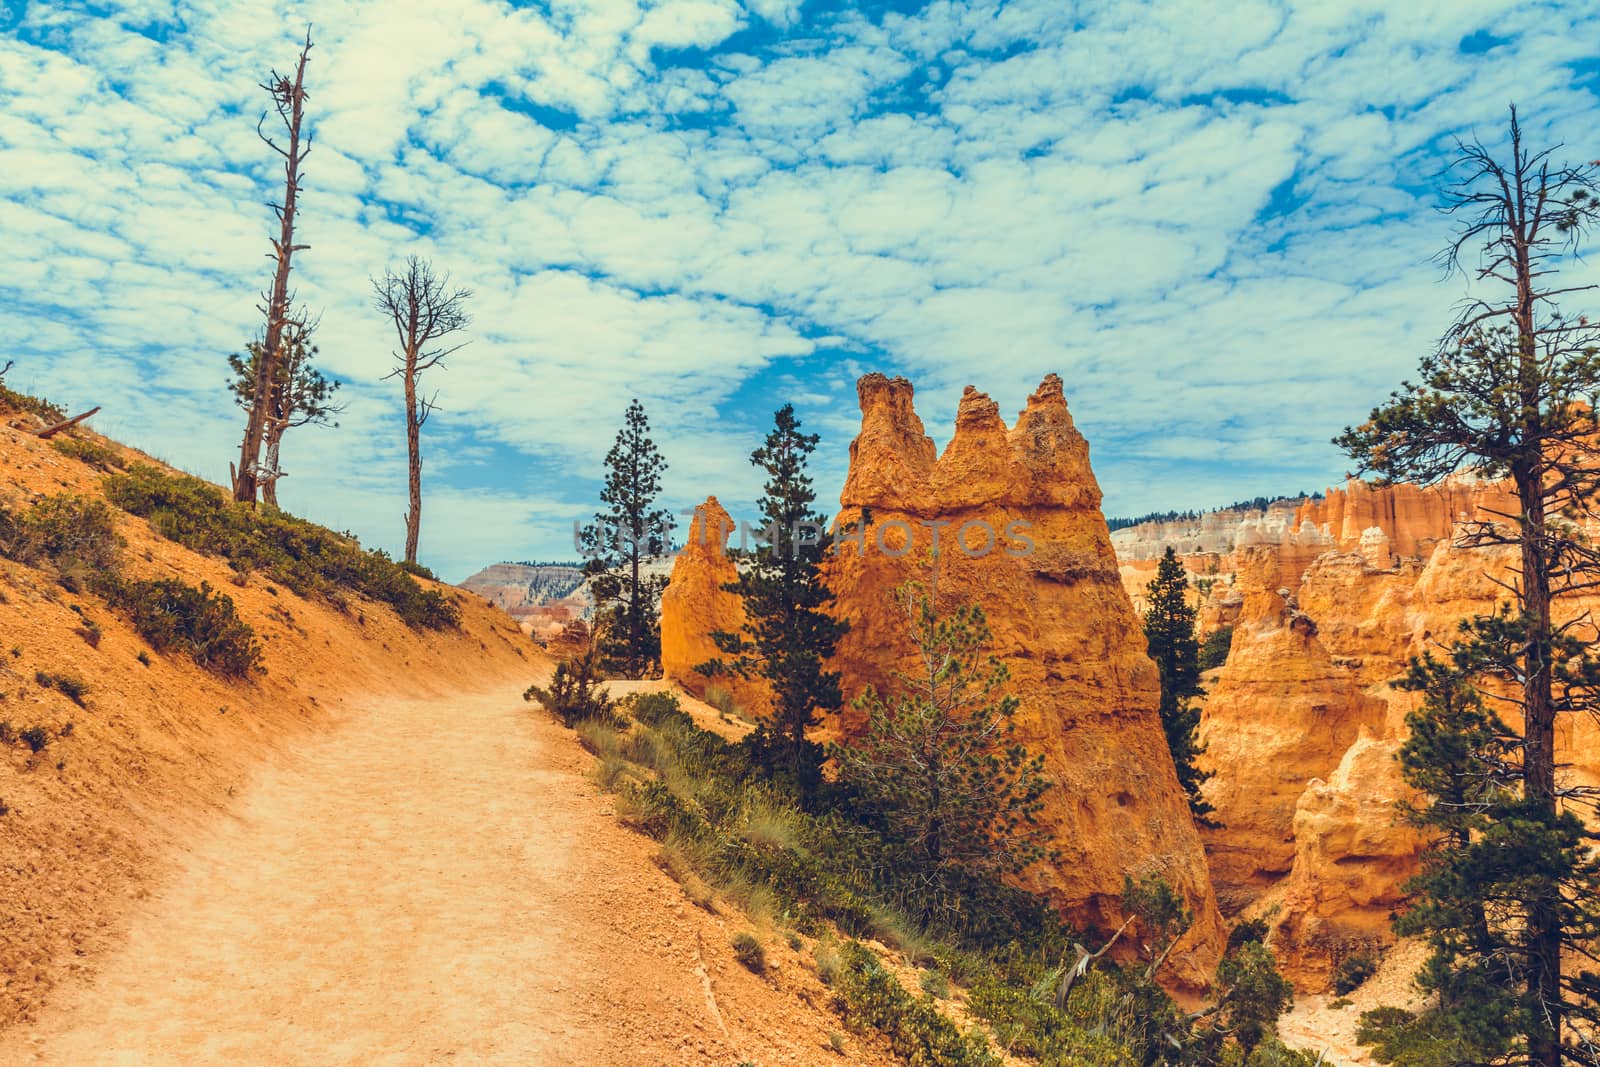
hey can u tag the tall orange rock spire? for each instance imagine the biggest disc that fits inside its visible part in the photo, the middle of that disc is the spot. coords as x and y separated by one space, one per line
1020 533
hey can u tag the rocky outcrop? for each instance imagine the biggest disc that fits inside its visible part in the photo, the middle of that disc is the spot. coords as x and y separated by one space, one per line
1281 712
695 605
1302 724
1016 514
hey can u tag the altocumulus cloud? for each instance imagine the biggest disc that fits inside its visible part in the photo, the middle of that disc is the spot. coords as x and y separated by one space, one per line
1214 224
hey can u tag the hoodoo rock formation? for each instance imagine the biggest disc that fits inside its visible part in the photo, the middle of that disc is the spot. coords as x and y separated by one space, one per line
1301 722
695 605
1016 514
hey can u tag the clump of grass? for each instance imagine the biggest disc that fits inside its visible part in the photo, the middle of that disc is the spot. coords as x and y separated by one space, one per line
91 633
836 1042
935 984
143 657
37 738
69 686
748 951
301 555
674 858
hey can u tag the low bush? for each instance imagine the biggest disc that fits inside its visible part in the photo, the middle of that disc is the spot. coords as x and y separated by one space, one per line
575 694
11 400
100 457
67 531
301 555
174 615
37 738
869 996
748 951
73 688
1354 969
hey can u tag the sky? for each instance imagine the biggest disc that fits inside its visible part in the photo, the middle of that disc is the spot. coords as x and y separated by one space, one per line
1215 222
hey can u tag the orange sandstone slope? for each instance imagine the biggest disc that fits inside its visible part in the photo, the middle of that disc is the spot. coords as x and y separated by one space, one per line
1022 535
157 748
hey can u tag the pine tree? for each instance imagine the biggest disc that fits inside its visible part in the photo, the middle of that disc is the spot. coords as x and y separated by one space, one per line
301 396
1169 632
1511 394
938 766
788 633
623 539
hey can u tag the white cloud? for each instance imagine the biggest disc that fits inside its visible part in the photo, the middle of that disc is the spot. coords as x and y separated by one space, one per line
974 192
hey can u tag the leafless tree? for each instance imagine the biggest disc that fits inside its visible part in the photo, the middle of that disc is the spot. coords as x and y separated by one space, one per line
288 100
425 311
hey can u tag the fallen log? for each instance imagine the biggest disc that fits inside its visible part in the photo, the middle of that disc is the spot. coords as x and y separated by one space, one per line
51 431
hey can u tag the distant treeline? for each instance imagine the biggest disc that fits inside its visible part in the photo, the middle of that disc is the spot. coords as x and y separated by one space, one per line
1259 503
575 564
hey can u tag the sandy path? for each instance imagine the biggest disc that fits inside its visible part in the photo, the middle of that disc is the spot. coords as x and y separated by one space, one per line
428 882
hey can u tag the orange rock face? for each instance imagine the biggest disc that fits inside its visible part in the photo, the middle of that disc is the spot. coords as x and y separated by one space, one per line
1280 713
1017 515
1302 724
695 605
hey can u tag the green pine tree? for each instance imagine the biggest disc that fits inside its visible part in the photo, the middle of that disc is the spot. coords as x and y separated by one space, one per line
622 540
1491 856
938 766
1511 394
788 634
1169 632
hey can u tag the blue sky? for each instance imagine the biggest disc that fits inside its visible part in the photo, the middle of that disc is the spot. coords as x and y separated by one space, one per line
1214 221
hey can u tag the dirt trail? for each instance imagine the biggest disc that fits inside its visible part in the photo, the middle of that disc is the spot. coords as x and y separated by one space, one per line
427 882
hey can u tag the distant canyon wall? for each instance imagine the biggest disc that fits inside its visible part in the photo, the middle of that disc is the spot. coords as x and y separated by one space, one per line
1301 724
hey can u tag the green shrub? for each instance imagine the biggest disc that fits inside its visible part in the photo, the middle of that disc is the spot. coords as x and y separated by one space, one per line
74 689
935 984
576 695
301 555
655 709
66 530
171 614
37 738
1354 969
100 457
416 570
748 951
868 995
1214 650
11 400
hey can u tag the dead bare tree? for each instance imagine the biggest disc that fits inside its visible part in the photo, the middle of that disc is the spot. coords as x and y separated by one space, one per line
425 311
288 99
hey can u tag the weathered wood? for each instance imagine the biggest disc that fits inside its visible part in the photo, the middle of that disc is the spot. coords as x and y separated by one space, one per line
51 431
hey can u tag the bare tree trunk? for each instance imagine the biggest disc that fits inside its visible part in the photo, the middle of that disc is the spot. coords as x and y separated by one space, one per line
269 467
289 98
414 459
423 309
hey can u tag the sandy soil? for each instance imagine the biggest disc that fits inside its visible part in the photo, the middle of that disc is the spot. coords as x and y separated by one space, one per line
428 882
1317 1025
